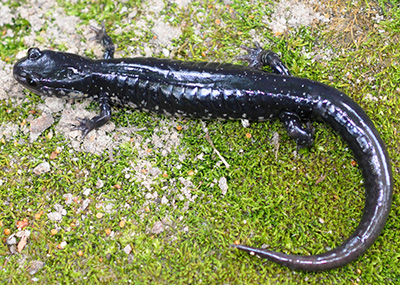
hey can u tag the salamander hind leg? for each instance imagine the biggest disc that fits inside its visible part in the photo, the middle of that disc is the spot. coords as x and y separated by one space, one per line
258 57
86 125
303 136
105 40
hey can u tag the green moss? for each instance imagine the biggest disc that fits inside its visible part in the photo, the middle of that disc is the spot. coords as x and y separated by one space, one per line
295 202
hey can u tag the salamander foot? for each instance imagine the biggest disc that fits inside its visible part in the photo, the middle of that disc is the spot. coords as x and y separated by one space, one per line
105 40
258 57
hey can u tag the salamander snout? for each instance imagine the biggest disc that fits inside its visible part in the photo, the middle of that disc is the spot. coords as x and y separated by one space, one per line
25 75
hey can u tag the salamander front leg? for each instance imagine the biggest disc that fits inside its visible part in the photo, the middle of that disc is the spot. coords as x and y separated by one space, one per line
258 57
86 125
303 136
105 40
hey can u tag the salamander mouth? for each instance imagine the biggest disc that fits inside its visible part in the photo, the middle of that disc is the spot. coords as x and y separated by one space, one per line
19 76
28 80
32 83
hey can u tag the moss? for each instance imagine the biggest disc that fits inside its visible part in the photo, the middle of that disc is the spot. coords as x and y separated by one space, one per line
295 202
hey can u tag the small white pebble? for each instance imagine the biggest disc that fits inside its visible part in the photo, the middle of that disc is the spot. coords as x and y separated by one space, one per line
43 167
63 244
128 249
158 228
86 192
223 185
164 200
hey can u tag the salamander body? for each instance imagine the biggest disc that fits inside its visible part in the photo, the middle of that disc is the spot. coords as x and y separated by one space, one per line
214 90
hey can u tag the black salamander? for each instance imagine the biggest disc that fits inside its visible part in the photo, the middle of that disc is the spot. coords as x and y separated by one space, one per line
214 90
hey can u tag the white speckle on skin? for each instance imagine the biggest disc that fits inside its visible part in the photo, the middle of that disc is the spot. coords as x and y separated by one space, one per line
132 105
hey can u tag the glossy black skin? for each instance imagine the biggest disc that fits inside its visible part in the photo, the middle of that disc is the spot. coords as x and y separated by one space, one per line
214 90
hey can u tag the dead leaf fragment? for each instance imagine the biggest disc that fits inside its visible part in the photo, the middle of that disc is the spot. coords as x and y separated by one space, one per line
53 155
22 243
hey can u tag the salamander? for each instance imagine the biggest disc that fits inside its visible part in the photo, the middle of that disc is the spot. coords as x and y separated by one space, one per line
209 90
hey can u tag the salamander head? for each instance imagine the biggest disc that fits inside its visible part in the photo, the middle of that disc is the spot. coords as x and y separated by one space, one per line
53 73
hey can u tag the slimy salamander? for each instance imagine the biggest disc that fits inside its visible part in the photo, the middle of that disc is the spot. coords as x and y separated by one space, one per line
217 90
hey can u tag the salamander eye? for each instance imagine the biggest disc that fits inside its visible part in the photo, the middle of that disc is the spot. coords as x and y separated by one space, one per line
34 53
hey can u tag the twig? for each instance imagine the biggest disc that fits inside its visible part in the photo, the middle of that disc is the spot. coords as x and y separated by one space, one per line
208 138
